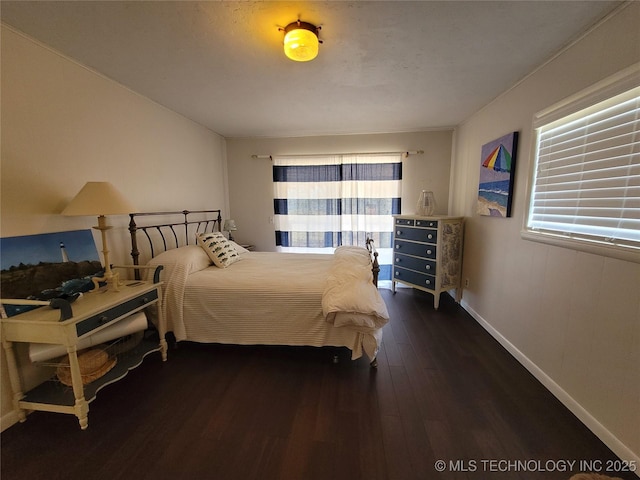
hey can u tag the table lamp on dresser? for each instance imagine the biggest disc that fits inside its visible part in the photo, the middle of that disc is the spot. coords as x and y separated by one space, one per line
100 199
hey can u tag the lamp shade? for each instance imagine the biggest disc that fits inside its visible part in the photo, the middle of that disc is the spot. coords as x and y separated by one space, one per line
98 198
230 226
301 41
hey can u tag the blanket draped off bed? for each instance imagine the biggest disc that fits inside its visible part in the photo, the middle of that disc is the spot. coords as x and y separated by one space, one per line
270 298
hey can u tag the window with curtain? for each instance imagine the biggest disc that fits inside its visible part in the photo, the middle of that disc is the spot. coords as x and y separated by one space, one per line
324 201
585 189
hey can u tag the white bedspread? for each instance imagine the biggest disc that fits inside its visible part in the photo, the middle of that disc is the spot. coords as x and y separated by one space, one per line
266 298
350 298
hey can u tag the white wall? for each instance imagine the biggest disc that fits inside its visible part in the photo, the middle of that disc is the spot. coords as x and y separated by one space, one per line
572 318
63 125
251 180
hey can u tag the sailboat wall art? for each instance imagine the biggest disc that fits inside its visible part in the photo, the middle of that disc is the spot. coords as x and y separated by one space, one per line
497 169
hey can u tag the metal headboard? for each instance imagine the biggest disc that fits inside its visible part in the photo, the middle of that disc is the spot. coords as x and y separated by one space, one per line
208 221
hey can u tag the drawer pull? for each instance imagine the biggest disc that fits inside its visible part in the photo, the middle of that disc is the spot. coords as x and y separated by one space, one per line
103 319
397 247
429 236
398 233
397 274
398 260
428 267
428 282
145 300
429 252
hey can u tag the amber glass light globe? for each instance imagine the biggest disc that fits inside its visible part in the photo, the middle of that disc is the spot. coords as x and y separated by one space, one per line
301 45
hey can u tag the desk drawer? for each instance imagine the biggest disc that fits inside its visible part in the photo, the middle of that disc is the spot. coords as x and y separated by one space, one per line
111 314
413 263
405 221
416 249
414 278
427 223
426 235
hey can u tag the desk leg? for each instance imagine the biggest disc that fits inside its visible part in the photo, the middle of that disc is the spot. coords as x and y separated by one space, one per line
163 348
14 377
162 326
81 406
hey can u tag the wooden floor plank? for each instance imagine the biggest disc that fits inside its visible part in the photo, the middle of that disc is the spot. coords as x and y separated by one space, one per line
444 390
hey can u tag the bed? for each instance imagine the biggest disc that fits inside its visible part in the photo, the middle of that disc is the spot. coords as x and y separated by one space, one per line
260 298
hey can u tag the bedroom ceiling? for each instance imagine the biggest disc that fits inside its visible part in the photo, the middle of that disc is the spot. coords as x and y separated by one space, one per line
384 66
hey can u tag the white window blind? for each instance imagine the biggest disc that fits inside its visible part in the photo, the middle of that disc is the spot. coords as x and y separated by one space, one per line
586 179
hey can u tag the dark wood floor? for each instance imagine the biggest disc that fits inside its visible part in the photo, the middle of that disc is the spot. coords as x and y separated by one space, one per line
444 390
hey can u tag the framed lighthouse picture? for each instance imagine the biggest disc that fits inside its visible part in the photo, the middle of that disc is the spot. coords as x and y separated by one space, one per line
497 170
47 266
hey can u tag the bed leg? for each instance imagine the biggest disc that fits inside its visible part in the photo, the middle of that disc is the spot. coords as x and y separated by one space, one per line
171 341
374 363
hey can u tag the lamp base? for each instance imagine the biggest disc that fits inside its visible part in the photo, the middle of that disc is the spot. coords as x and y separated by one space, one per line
112 281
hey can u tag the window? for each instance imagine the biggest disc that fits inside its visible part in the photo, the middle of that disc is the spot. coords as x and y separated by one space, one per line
321 202
585 189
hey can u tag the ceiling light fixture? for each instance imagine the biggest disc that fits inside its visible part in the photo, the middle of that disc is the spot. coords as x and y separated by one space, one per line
301 41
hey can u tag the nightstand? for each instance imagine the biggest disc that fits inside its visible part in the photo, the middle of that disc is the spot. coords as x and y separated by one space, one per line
65 325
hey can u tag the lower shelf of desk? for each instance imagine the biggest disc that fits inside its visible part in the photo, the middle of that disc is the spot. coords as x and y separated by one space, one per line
54 396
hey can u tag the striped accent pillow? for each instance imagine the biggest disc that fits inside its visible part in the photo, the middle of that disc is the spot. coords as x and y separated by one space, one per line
221 252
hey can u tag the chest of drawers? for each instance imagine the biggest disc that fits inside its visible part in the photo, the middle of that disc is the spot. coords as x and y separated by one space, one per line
427 253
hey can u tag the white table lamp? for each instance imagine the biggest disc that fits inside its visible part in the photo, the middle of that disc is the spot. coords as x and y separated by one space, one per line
230 226
100 198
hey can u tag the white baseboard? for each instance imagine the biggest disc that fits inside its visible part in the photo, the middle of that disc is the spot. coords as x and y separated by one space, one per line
608 438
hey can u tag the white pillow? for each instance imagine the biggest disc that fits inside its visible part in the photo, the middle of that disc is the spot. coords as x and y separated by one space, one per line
190 257
220 250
